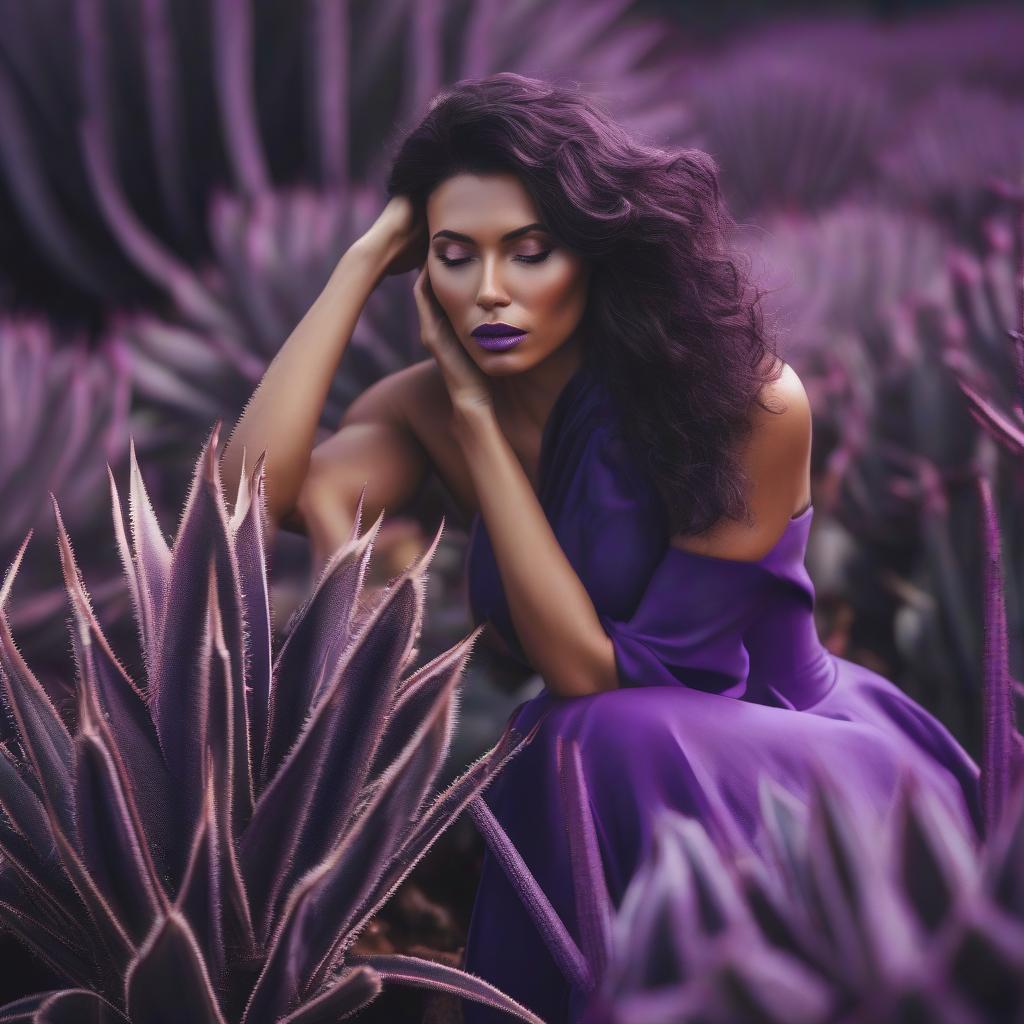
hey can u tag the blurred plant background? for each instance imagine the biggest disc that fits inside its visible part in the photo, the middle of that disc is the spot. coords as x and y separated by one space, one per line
179 177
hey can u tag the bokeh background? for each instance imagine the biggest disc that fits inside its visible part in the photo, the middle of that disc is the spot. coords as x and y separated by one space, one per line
179 177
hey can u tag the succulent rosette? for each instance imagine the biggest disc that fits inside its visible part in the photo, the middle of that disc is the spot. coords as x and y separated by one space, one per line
208 844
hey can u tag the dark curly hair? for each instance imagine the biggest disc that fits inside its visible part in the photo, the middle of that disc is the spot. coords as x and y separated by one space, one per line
671 326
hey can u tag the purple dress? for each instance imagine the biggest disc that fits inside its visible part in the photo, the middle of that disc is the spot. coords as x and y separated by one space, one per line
723 677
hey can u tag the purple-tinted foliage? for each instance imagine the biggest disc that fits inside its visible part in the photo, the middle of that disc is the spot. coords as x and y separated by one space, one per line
788 135
97 92
835 281
976 44
901 341
1002 743
841 916
63 412
896 442
959 141
208 843
989 295
274 254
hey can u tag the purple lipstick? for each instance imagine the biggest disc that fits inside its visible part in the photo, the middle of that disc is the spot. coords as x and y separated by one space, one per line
498 337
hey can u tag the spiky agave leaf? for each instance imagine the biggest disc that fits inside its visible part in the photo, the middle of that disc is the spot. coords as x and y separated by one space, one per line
181 686
593 904
110 833
68 1006
410 970
1002 748
564 949
168 981
134 847
321 907
349 992
146 560
248 524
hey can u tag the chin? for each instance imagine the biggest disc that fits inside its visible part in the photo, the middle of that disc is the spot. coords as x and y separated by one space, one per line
498 364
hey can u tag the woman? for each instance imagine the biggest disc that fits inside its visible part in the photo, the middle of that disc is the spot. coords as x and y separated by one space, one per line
603 403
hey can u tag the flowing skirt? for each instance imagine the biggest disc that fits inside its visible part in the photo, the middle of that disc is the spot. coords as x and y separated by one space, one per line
699 753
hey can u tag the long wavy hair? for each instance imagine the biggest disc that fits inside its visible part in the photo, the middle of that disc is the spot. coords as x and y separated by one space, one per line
671 325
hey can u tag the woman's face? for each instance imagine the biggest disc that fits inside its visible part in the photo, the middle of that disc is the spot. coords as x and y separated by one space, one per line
480 276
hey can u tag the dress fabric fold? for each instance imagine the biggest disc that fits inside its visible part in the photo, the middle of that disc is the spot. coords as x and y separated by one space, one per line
723 678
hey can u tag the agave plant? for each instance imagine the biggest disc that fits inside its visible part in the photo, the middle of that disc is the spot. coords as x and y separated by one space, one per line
788 134
277 96
989 292
961 139
208 845
63 410
834 280
835 920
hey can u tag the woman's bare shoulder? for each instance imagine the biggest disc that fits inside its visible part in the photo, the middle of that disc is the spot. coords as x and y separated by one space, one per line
777 464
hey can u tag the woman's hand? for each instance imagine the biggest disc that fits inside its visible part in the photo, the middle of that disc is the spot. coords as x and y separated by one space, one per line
467 384
398 236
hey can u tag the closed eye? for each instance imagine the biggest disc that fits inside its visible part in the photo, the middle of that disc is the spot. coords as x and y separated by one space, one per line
539 257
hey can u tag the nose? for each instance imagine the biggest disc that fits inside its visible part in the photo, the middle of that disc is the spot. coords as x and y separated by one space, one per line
490 293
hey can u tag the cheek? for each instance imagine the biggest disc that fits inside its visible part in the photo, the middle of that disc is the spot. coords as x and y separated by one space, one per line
449 294
562 293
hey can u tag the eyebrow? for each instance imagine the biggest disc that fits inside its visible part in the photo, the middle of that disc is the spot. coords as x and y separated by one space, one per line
459 237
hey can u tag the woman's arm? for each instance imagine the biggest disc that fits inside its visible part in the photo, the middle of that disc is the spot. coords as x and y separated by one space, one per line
282 415
553 615
284 410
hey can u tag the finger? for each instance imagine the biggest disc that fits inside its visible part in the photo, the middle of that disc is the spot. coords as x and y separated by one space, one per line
427 316
429 307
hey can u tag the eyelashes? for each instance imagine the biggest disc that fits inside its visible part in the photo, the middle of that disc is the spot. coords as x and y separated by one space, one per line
537 258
